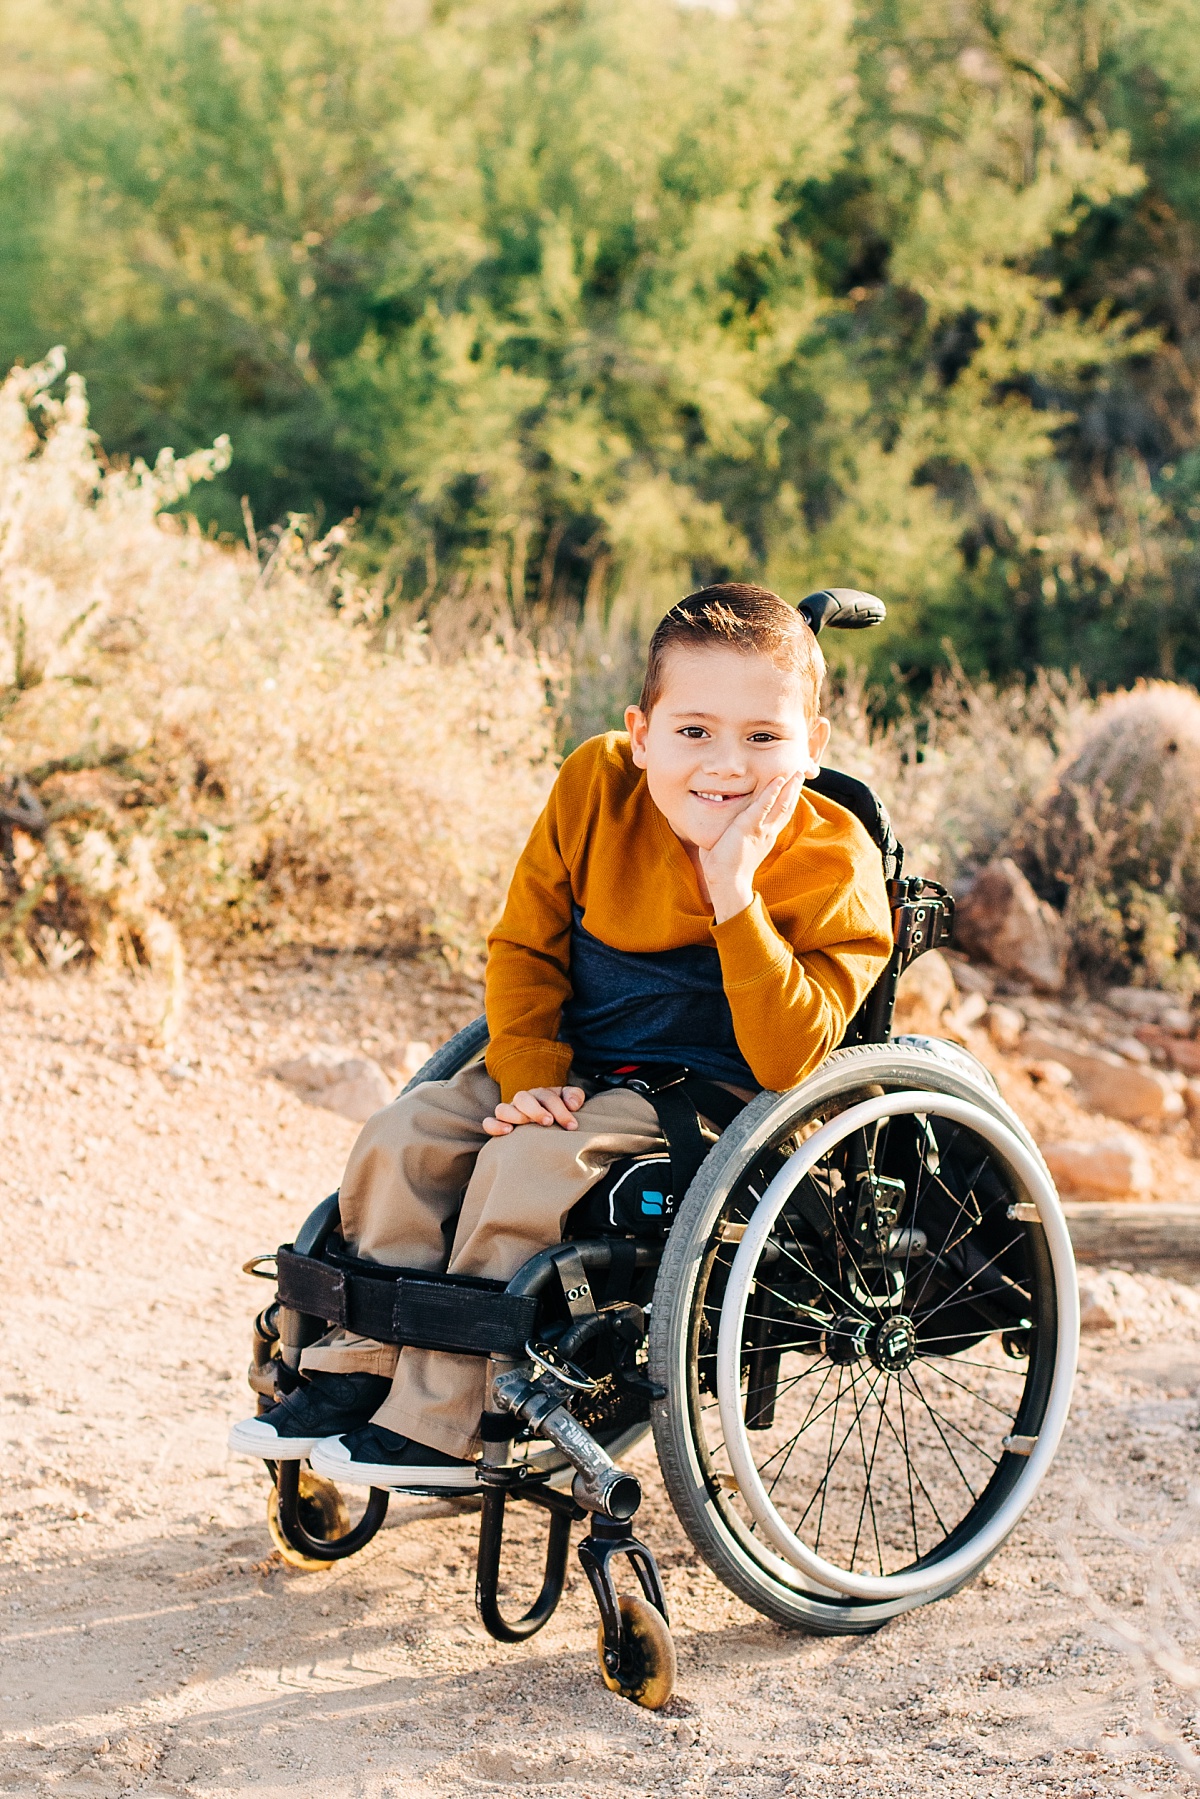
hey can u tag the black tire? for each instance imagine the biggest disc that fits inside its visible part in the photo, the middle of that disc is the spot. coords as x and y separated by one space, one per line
715 1512
464 1047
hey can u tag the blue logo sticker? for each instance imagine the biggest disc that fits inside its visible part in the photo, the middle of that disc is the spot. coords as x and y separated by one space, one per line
652 1204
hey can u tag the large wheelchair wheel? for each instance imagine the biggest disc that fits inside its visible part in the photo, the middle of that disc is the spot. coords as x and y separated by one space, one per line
866 1320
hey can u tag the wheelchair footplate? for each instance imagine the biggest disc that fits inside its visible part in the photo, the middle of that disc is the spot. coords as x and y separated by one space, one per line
537 1389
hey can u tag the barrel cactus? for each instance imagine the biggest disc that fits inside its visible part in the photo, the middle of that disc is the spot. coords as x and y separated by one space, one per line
1114 841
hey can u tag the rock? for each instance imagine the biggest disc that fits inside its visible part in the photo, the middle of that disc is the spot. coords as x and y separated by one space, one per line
1050 1074
1107 1083
1191 1099
1149 1005
416 1054
1113 1168
1131 1048
1182 1052
968 1013
353 1086
1109 1300
1185 1055
969 977
1004 1026
1001 919
925 990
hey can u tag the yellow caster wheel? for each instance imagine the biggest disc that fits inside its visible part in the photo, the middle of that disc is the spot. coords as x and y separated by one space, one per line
647 1671
322 1512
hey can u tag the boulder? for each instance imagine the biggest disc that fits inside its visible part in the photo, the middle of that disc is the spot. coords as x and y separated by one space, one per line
971 977
1116 1167
925 990
336 1080
966 1015
1185 1055
1001 919
1107 1083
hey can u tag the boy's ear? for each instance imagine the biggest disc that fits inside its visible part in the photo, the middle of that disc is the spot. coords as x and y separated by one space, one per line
637 724
818 741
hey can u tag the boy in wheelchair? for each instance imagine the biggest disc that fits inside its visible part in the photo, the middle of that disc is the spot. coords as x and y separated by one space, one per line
683 900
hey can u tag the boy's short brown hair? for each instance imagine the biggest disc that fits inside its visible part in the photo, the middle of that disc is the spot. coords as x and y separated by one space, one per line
740 617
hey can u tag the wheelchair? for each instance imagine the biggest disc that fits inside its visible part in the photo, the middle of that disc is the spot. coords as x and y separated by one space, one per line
854 1340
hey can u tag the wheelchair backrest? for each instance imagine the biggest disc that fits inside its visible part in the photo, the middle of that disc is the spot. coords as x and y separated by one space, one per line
868 808
922 911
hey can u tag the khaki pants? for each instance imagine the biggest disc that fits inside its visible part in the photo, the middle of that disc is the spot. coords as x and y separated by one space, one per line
425 1187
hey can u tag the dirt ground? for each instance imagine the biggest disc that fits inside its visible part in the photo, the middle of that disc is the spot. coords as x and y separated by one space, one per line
152 1643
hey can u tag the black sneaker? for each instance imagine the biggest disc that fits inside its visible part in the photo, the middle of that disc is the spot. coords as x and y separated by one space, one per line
376 1457
322 1404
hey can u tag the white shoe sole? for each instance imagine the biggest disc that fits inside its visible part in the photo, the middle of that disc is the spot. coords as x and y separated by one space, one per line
254 1436
331 1458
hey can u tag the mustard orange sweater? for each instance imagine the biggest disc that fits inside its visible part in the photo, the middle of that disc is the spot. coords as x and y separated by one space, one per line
603 867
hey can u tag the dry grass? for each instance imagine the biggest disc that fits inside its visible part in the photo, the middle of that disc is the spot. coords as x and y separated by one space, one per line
194 741
203 740
958 771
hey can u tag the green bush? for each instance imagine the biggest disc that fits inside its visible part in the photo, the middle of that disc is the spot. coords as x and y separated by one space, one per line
579 305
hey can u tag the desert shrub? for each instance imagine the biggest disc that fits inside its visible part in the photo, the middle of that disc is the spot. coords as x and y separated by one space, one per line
1114 840
957 770
194 740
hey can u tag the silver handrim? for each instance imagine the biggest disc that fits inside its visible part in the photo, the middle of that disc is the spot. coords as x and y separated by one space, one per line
940 1572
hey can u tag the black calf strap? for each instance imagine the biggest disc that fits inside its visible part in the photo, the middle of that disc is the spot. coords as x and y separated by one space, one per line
463 1315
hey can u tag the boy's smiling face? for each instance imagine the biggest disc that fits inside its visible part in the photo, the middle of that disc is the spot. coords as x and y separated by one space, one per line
726 723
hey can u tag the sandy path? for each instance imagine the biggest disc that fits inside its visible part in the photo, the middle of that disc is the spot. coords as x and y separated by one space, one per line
152 1644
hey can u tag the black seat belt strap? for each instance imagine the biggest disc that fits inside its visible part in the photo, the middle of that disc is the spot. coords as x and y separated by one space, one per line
685 1141
712 1101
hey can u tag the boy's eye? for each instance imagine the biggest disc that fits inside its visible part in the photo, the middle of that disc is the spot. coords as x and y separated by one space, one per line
763 737
693 731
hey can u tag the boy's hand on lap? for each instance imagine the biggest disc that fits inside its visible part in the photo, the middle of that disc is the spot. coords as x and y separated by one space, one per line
536 1105
730 865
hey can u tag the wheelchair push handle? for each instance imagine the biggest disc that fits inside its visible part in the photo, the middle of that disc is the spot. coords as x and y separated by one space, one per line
842 608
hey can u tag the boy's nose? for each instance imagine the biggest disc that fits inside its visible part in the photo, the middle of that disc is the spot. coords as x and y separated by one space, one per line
725 764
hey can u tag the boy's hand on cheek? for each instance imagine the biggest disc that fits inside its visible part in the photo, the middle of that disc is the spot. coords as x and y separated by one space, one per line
536 1105
730 865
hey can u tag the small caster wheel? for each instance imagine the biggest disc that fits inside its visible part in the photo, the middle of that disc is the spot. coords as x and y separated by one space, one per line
322 1513
647 1671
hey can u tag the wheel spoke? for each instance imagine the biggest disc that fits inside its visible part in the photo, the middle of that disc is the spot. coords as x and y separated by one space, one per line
939 1418
807 1267
1004 1411
908 1470
963 1285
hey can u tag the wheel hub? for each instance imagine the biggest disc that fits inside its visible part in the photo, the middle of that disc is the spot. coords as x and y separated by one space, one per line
892 1344
846 1340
